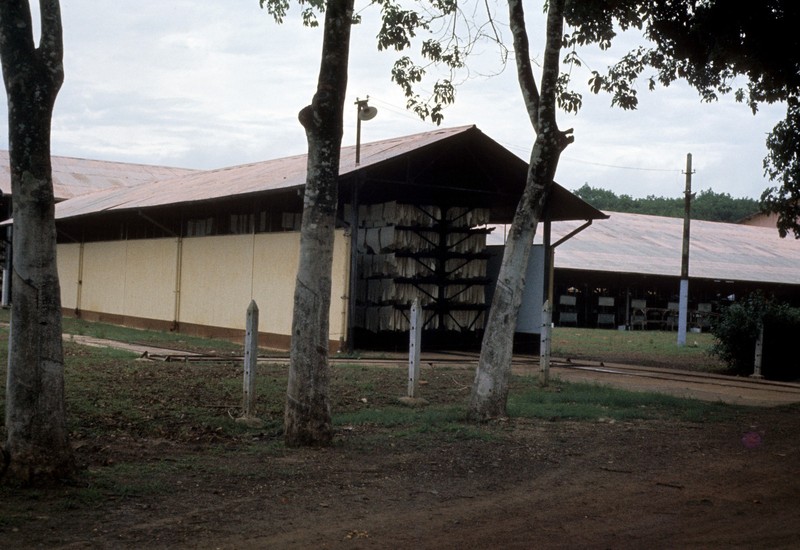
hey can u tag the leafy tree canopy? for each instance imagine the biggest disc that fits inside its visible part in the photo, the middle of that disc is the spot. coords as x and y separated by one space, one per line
709 44
439 30
717 46
707 205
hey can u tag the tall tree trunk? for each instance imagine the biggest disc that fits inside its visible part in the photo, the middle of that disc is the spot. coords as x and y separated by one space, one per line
490 389
37 448
307 419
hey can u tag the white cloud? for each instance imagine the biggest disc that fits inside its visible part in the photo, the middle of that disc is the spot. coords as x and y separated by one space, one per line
206 84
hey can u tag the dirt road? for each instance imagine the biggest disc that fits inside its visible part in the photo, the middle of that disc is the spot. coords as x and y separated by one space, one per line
708 387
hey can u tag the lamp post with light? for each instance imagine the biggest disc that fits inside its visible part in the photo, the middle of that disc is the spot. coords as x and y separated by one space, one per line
364 112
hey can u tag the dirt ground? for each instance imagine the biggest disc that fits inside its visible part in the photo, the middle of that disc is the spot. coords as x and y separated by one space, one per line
727 483
546 485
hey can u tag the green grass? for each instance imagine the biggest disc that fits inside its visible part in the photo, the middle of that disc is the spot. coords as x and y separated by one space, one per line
559 401
115 401
155 338
648 348
109 391
393 416
656 348
169 340
593 402
143 430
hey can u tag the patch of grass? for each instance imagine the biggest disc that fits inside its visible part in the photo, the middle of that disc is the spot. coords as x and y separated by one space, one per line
593 402
110 393
454 429
270 390
133 479
140 428
168 340
648 348
393 416
443 422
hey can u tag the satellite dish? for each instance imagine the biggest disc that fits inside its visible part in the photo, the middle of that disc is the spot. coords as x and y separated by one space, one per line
367 113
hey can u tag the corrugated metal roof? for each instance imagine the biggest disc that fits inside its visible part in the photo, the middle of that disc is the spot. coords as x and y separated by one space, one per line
272 175
651 245
73 177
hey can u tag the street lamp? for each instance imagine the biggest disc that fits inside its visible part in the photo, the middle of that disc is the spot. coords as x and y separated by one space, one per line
364 112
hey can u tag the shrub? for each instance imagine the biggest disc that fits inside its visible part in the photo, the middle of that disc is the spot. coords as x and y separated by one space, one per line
737 329
781 327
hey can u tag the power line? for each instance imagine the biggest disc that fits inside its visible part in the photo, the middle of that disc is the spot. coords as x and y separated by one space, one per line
580 161
522 150
638 168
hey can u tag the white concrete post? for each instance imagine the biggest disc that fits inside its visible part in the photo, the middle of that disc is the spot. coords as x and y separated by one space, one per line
759 353
250 359
415 340
683 311
544 343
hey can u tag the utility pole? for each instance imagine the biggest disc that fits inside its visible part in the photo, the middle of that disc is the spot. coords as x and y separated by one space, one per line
683 305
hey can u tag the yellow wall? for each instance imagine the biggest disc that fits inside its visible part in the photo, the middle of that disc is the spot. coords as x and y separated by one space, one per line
218 278
276 259
215 280
68 257
275 266
150 267
134 278
103 287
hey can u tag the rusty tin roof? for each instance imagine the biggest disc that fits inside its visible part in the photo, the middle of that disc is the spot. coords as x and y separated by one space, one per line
73 177
651 245
290 172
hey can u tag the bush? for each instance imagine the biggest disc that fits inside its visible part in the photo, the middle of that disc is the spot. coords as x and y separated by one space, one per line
737 329
779 361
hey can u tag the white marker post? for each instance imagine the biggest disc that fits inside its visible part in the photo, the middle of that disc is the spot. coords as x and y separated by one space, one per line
759 354
250 360
415 341
544 344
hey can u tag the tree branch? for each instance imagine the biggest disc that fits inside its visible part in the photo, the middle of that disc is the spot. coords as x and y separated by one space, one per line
527 82
51 43
551 63
16 31
326 110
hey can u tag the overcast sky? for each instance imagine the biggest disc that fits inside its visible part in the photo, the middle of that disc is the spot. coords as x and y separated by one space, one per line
207 84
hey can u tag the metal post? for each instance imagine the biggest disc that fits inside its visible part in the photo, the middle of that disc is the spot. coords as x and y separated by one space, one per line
549 261
358 135
250 359
353 281
415 340
683 304
363 112
544 344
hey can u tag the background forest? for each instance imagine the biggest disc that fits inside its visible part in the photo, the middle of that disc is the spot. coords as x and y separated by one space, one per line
707 205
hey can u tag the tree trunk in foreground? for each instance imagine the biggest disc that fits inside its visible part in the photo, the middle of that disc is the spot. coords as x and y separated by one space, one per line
307 419
490 389
37 448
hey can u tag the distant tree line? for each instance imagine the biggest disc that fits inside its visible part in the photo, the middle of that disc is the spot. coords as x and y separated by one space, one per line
707 205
